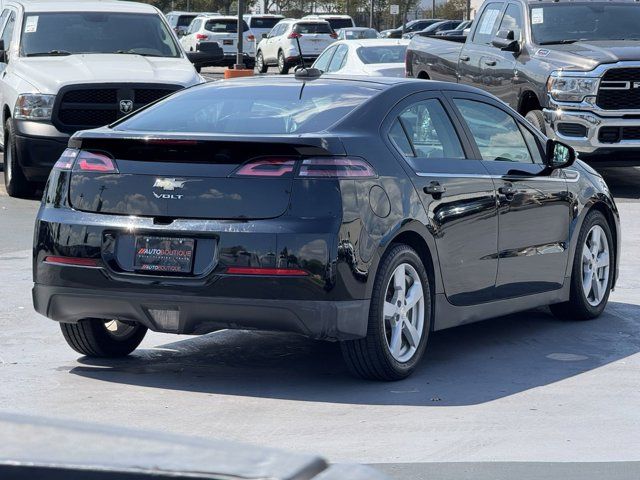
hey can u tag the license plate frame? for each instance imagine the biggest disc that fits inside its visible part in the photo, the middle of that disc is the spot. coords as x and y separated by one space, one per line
164 255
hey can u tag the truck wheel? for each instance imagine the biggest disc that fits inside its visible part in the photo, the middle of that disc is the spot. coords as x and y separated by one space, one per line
592 271
399 319
536 118
260 64
283 68
15 182
103 338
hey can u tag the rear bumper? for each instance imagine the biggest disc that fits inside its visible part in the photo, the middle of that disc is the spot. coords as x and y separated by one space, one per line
38 146
326 320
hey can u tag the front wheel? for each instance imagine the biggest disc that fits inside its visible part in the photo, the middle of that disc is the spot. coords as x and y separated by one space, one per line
283 68
592 271
536 118
15 181
399 319
103 338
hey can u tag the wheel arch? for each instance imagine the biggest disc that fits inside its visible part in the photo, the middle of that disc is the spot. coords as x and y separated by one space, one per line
422 75
528 101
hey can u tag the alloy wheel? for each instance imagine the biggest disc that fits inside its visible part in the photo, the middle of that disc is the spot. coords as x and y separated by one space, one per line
595 266
404 312
119 330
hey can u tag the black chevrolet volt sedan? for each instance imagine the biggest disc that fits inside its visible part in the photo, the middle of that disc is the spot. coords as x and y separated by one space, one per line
369 212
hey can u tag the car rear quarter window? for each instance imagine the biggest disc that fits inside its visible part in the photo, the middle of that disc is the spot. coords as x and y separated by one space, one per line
271 108
495 132
424 132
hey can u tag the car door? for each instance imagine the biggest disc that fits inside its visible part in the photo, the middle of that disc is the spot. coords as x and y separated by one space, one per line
471 66
498 67
534 206
456 191
271 45
189 39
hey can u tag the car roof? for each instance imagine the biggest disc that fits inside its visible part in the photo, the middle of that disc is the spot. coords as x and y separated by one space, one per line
326 15
217 16
374 42
265 15
179 12
84 6
357 28
305 20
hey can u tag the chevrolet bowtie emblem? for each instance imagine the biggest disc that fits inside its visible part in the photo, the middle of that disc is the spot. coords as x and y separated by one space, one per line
168 184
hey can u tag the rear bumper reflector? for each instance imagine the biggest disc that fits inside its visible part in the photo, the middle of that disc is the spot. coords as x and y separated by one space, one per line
291 272
76 261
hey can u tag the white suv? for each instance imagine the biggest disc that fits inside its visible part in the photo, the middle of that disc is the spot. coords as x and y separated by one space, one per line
224 31
281 45
74 65
261 24
336 21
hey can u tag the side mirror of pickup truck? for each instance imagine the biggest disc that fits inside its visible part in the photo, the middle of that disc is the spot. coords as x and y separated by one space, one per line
559 155
505 41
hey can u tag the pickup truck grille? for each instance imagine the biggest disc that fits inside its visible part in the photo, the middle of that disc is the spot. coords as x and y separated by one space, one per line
81 107
617 90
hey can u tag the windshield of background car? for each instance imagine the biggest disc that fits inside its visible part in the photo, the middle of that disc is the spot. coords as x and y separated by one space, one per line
386 54
308 27
264 22
97 32
358 34
557 22
272 108
224 26
338 23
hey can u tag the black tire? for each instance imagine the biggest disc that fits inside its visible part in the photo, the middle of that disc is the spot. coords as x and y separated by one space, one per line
578 306
261 66
283 66
15 181
370 357
91 337
536 118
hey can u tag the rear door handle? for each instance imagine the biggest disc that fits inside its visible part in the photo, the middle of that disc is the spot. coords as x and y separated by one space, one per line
464 58
435 189
491 63
507 190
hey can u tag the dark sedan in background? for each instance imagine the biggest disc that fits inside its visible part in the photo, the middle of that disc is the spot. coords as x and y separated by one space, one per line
370 212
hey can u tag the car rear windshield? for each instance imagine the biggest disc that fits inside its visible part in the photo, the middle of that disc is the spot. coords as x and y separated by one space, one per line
224 26
185 20
564 23
96 32
357 34
264 22
309 27
386 54
338 23
271 108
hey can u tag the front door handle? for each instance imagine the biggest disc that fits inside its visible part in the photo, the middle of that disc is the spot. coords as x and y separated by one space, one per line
507 190
464 58
435 189
490 63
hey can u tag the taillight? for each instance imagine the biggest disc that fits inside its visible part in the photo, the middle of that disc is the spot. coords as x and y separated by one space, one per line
286 272
251 38
75 261
293 35
333 35
66 160
94 162
201 36
336 167
266 167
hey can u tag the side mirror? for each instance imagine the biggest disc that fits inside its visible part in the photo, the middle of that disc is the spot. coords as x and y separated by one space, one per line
505 41
559 155
208 54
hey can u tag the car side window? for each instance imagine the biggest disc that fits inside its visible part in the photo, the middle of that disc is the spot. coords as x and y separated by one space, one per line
424 132
7 33
280 29
496 133
533 144
323 60
193 27
488 24
512 21
338 58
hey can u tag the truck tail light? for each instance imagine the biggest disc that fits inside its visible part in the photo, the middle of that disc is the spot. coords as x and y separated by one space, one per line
94 162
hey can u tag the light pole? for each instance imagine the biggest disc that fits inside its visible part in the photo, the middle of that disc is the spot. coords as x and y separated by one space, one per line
240 57
433 8
371 15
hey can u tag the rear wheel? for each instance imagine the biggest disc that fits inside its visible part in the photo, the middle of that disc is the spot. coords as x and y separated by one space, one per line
592 271
536 118
283 67
15 182
103 338
399 319
260 64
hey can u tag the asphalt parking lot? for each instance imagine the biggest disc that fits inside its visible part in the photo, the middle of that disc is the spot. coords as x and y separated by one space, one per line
524 396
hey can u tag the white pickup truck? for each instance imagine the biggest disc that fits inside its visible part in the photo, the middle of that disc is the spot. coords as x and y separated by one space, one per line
69 65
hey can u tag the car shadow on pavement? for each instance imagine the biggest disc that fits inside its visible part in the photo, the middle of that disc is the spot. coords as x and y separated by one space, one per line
463 366
624 182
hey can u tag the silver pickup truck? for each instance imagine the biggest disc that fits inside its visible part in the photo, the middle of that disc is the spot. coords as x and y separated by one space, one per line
571 68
